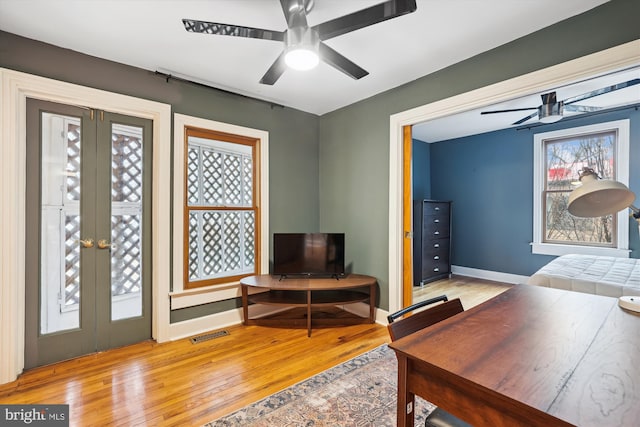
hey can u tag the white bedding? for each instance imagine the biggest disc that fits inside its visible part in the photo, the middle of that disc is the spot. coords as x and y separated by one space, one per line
600 275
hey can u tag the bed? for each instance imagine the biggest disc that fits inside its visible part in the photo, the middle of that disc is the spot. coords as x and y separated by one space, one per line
600 275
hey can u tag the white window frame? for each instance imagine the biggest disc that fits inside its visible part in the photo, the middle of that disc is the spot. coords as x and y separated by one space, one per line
622 175
180 296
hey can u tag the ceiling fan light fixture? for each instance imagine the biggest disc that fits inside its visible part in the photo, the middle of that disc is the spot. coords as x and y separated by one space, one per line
302 48
301 59
550 113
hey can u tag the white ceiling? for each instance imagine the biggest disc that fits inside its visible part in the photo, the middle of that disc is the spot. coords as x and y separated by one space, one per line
149 34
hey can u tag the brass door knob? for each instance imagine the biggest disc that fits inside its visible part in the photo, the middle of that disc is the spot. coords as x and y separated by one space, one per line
104 244
86 243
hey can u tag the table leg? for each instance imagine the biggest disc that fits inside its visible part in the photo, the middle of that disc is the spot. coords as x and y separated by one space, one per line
245 304
406 399
372 302
308 313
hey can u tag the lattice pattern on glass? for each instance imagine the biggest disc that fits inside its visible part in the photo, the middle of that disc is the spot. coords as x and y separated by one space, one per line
126 254
247 178
212 241
194 226
249 239
73 162
564 159
218 178
233 183
212 178
72 260
220 243
232 242
193 177
126 164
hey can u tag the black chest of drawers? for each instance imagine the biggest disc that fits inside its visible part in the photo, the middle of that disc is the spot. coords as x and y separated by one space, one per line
431 241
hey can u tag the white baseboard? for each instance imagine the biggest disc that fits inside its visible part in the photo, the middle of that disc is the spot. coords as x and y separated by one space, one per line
362 309
191 327
489 275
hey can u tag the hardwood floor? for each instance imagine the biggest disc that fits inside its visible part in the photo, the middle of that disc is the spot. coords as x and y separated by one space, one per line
184 384
471 291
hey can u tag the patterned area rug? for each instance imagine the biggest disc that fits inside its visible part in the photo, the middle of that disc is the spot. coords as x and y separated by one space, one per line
359 392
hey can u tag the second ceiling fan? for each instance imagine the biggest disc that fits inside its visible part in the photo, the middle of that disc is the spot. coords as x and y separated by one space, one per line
299 38
552 110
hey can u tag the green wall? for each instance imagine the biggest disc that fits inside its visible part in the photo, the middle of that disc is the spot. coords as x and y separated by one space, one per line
354 141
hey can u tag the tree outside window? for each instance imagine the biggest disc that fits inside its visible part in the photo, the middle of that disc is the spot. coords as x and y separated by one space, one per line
565 157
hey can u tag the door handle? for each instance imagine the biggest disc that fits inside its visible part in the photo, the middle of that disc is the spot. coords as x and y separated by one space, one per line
104 244
86 243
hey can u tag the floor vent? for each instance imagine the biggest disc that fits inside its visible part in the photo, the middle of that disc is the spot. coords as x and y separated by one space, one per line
207 337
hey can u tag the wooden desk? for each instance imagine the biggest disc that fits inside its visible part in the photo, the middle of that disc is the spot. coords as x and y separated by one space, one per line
309 292
532 356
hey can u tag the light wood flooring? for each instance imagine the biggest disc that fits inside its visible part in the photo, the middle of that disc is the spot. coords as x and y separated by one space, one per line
184 384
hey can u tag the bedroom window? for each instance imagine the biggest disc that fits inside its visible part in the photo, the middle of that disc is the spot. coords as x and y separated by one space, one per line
559 155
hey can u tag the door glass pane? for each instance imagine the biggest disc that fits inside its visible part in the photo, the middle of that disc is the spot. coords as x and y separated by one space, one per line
60 223
126 221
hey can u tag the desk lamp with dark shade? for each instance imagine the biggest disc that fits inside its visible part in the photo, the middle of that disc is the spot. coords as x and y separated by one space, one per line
598 197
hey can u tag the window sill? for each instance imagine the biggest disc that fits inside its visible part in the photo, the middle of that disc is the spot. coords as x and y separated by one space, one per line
204 295
192 297
557 250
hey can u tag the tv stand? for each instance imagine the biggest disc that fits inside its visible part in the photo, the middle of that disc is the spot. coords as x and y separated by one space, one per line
309 292
309 276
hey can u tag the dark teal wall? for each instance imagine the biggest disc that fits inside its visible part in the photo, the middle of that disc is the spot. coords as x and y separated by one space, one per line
489 178
420 168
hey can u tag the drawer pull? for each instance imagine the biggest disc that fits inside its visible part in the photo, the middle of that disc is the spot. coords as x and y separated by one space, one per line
437 208
436 269
435 233
436 257
436 221
436 245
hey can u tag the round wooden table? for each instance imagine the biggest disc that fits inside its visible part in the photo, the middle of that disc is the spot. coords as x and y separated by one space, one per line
309 292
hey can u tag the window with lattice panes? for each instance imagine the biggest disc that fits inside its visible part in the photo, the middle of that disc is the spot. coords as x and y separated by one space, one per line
220 208
560 155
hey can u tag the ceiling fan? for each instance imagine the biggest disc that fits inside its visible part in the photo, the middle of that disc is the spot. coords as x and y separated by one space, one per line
552 110
307 42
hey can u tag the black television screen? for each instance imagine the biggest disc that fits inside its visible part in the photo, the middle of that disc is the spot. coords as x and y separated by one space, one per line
313 254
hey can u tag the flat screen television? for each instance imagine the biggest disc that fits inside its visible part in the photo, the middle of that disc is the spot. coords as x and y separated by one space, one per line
309 254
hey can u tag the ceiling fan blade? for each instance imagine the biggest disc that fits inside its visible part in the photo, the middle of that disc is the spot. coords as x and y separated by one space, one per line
508 111
582 108
365 17
204 27
275 71
601 91
341 63
524 119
